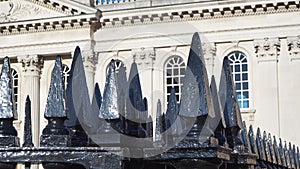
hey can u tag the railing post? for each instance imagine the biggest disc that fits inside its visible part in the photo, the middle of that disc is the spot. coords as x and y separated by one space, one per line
8 133
55 134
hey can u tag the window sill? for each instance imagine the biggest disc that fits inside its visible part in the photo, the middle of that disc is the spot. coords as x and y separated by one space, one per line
248 111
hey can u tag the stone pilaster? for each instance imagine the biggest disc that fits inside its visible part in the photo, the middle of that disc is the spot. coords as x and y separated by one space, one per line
267 49
294 47
32 65
90 60
145 59
209 52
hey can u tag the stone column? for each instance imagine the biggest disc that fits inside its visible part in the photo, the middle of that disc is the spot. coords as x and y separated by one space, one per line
32 65
90 60
209 52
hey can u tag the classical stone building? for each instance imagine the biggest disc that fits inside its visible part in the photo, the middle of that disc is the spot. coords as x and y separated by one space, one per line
260 37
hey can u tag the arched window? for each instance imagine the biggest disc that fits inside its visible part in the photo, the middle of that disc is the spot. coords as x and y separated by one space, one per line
15 85
174 73
66 74
239 67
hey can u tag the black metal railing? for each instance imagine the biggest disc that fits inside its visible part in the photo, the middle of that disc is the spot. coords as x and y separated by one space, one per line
115 131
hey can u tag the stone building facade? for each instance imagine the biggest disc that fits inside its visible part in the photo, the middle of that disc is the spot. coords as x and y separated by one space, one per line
260 37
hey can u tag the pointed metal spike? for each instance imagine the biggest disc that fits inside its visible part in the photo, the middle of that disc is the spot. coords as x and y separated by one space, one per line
231 110
135 104
291 155
7 99
27 126
287 156
252 140
260 146
97 95
245 138
149 126
158 129
96 104
78 99
296 162
276 151
172 110
228 97
122 90
266 147
55 133
196 96
282 154
55 106
145 112
298 156
109 108
271 149
219 115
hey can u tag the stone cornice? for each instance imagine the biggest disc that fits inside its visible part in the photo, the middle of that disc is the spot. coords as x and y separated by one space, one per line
195 11
51 24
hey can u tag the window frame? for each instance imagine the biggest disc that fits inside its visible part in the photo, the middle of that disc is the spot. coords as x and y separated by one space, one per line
15 73
241 78
180 73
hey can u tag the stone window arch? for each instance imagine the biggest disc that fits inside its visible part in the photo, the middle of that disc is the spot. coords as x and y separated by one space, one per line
174 72
240 72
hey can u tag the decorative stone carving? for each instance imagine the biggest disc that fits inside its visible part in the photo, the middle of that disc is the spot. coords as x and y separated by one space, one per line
144 57
31 62
13 10
209 52
293 44
90 58
267 49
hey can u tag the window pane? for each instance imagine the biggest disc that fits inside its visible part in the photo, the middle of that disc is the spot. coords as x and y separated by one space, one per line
244 67
182 71
246 104
176 71
169 88
176 89
237 68
240 104
245 76
169 80
237 77
245 85
175 80
169 72
245 95
238 86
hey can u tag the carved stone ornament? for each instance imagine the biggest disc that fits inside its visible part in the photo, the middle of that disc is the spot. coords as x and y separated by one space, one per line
293 44
31 62
90 60
267 49
13 10
144 56
209 52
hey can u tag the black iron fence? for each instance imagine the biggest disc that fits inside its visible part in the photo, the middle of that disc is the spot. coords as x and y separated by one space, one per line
115 131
